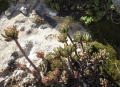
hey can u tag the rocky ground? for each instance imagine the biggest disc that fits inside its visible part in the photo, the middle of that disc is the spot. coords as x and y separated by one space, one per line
33 36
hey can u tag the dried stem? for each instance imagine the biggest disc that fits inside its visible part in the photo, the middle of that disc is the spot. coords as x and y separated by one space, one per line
73 44
82 46
16 41
66 67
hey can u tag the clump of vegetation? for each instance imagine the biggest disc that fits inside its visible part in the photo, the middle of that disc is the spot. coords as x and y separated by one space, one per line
53 63
54 6
96 10
75 64
112 65
11 33
86 10
3 5
98 46
77 67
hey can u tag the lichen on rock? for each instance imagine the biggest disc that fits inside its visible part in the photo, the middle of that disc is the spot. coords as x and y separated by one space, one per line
35 18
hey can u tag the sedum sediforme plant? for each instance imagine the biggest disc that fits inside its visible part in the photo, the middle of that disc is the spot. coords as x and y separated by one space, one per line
79 68
11 33
74 65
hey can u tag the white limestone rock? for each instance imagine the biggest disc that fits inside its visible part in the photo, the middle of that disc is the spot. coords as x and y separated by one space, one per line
26 46
28 32
117 5
22 60
19 75
52 13
23 10
28 79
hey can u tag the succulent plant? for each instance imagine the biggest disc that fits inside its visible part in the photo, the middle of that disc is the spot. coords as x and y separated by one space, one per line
69 48
87 37
76 74
78 37
6 70
49 56
56 64
74 57
35 73
40 54
58 51
56 72
88 48
10 33
45 80
66 64
51 76
64 28
22 66
62 37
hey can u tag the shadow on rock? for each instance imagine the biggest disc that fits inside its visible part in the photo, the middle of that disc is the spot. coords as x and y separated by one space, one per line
47 19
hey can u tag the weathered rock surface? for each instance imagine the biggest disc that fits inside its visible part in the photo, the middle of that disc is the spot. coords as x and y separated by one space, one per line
23 10
35 18
117 5
9 11
32 37
22 1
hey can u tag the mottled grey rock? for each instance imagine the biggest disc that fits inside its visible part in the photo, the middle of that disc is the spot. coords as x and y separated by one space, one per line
19 74
2 83
50 21
26 46
117 5
9 11
14 54
21 28
33 25
47 19
28 79
27 6
44 26
28 32
22 1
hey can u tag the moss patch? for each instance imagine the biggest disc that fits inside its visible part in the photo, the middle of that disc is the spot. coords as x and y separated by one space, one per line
112 52
111 64
112 68
105 32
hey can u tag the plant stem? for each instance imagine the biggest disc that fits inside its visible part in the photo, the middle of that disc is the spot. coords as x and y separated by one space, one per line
82 46
26 55
66 68
70 63
73 44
